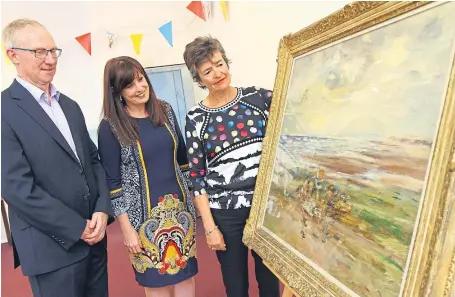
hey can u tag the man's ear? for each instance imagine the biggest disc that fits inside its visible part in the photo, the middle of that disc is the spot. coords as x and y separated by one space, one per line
12 56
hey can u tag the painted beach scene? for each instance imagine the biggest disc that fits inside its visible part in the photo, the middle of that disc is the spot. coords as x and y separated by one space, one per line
355 149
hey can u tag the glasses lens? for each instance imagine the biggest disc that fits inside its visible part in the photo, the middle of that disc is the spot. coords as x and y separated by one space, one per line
41 53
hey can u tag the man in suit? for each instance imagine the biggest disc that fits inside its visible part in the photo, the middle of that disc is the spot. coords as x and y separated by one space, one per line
52 179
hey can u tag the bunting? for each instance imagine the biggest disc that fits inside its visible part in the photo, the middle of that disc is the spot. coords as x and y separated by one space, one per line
202 9
224 9
207 6
137 42
166 31
5 56
197 8
86 42
110 38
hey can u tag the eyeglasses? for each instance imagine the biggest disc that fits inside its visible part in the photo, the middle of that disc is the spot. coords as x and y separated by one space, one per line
42 53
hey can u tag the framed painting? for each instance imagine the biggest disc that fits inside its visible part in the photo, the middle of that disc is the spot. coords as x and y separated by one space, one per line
353 196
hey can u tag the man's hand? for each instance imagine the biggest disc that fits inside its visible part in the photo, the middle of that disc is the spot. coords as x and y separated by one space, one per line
87 231
98 227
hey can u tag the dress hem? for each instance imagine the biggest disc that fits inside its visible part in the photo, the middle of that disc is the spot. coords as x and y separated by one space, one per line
171 283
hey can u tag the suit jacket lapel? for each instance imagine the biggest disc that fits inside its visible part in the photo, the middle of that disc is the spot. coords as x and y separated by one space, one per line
31 107
73 124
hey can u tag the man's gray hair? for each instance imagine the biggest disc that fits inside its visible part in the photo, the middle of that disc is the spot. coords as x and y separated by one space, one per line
199 51
9 36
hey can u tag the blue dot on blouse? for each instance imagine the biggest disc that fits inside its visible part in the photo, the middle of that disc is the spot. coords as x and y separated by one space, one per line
240 117
260 123
231 124
242 106
248 112
209 146
211 129
259 133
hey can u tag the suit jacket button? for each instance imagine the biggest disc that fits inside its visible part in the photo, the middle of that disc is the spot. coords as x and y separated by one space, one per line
86 197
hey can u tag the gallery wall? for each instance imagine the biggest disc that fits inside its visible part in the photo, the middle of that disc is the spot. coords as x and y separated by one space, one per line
250 37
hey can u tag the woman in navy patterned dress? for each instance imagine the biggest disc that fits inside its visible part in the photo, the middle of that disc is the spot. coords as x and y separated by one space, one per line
143 152
224 142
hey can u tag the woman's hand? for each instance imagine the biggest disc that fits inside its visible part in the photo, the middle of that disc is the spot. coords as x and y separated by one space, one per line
132 241
215 240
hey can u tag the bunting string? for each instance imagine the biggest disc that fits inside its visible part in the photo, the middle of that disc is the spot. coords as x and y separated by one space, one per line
195 11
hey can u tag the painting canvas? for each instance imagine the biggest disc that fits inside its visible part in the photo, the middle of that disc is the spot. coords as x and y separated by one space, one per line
353 149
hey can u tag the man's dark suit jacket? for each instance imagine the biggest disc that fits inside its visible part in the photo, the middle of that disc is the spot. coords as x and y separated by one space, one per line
49 194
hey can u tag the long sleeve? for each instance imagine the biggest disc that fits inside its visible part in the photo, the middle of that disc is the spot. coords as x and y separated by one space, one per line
110 155
267 97
27 199
104 203
196 158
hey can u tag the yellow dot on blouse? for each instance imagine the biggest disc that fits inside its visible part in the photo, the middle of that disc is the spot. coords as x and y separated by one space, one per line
232 113
236 140
250 123
234 133
194 133
225 144
206 136
217 149
190 150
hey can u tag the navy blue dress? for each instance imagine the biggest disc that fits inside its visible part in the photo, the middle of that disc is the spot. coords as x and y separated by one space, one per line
167 232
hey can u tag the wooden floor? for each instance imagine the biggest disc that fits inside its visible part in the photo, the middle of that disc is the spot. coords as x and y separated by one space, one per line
121 278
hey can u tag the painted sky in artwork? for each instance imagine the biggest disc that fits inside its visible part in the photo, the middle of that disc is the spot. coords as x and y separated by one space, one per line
386 83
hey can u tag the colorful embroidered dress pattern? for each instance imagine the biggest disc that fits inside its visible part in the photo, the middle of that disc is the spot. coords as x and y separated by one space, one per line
167 237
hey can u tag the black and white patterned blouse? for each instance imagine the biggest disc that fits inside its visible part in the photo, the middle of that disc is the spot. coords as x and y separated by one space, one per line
224 147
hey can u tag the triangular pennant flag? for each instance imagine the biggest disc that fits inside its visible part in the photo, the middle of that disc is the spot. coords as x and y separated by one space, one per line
207 9
224 9
86 42
197 8
166 30
110 38
5 56
137 41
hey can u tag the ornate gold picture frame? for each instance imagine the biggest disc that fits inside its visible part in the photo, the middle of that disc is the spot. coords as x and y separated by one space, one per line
355 195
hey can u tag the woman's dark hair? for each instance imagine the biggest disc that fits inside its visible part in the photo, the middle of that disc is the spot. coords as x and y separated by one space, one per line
199 51
118 74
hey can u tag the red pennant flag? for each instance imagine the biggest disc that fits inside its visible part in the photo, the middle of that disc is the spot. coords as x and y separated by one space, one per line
86 42
197 8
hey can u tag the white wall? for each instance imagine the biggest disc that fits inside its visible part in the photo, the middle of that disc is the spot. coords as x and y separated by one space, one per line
250 38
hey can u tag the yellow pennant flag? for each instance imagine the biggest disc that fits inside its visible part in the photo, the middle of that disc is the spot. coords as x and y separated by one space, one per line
224 9
137 41
5 57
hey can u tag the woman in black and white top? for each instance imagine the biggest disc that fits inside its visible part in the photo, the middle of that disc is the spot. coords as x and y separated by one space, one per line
224 136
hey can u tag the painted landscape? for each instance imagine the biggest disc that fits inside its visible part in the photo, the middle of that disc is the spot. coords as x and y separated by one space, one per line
355 148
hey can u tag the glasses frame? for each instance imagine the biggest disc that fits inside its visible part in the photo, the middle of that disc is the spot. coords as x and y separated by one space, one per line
57 52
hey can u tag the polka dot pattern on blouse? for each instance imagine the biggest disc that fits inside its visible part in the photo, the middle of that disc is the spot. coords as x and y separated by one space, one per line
219 142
